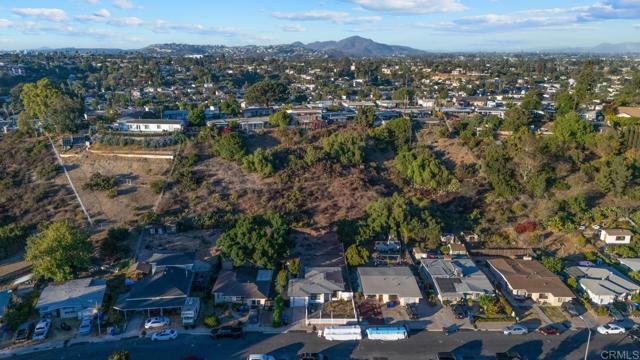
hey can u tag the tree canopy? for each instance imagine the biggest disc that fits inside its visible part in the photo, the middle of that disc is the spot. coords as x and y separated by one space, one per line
196 116
43 101
262 240
229 146
267 92
59 251
345 147
424 170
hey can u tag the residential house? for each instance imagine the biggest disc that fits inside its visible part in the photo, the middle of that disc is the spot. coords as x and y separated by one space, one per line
166 289
243 285
529 279
257 112
175 115
629 112
305 118
318 286
633 264
616 236
389 284
456 279
457 249
201 269
72 299
603 285
151 125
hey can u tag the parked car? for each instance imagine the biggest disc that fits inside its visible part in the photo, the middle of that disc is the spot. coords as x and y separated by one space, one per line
615 313
516 329
446 356
23 333
234 332
509 355
610 329
64 326
459 311
549 330
570 308
163 335
412 311
634 334
42 329
85 326
157 322
254 316
260 357
312 356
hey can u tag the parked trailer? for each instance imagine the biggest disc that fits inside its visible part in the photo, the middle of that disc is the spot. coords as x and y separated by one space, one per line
341 333
387 333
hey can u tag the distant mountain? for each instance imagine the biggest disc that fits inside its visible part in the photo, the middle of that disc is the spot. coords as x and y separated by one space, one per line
604 48
357 46
620 48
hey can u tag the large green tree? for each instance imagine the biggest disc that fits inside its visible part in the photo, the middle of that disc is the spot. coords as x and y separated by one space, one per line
365 117
196 116
262 240
59 251
571 129
229 146
267 92
345 147
500 172
424 170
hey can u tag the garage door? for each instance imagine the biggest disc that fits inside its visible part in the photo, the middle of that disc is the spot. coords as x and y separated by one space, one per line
297 301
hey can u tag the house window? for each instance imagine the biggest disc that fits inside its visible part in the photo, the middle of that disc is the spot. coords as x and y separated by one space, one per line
158 126
620 238
146 126
314 297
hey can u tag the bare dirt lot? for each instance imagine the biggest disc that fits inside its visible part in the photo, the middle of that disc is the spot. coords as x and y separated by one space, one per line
133 176
201 241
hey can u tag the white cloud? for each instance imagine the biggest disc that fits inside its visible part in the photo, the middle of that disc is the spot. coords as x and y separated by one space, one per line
551 18
336 17
124 4
292 27
162 26
411 6
102 13
637 26
5 23
42 13
115 21
93 2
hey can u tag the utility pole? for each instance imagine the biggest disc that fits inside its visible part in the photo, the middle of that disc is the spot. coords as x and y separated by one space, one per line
586 351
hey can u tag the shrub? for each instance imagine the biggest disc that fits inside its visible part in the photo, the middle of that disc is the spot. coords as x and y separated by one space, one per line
572 282
357 255
211 321
99 182
120 355
260 162
158 185
281 282
277 311
230 146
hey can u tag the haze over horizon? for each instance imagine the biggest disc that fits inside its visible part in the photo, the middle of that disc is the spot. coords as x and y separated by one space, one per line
435 25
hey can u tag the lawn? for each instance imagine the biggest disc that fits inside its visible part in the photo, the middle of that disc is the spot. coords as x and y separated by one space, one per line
554 313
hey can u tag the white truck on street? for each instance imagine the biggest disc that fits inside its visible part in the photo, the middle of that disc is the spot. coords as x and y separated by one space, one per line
341 333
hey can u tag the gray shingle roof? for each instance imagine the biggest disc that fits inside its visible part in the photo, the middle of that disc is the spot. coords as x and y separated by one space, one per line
163 289
244 282
317 281
457 276
80 293
388 280
603 281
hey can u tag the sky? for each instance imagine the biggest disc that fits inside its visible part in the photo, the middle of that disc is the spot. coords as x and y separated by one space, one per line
436 25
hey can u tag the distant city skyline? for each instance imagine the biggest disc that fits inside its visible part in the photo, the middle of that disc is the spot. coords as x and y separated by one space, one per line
435 25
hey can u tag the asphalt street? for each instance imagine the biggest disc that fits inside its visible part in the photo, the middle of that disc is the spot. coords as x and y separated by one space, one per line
423 345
